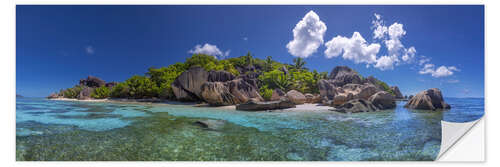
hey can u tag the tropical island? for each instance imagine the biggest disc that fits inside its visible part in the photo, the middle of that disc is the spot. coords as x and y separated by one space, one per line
253 84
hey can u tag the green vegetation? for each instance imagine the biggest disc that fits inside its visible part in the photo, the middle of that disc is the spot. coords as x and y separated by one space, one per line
101 92
265 92
385 86
72 92
156 83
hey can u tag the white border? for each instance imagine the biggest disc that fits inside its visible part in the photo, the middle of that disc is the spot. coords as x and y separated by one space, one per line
7 85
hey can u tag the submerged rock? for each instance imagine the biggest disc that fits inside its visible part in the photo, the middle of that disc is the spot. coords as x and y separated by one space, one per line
355 106
430 99
383 100
296 97
211 124
252 105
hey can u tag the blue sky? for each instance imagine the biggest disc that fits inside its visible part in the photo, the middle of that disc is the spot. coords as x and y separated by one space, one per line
413 47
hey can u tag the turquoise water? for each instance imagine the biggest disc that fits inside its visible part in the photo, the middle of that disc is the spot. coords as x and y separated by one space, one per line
63 130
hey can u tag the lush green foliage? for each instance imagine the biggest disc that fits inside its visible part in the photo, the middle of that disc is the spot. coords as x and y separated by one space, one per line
72 92
101 92
385 86
120 90
210 63
164 77
265 92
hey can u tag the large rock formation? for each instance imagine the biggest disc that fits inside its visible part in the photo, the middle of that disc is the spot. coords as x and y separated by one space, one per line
342 75
219 76
53 96
217 94
296 97
215 87
310 98
277 94
383 100
430 99
187 86
355 106
345 85
252 105
111 84
243 90
85 93
397 93
92 82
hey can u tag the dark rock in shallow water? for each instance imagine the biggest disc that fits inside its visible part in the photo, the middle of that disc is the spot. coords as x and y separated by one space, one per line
430 99
383 100
92 82
211 124
269 105
355 106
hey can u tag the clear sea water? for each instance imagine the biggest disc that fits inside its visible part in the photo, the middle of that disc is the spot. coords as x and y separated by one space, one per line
85 131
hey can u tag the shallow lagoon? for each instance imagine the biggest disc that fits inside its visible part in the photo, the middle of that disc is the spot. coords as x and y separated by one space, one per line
64 130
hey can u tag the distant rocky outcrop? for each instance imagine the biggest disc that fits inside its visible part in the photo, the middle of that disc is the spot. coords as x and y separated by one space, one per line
252 105
397 93
430 99
355 106
92 82
53 96
187 86
218 94
346 90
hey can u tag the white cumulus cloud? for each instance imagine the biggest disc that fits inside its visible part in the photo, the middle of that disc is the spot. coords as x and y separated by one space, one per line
307 36
409 54
209 49
386 62
355 48
441 71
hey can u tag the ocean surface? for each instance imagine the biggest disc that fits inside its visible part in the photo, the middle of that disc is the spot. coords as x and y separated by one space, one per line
86 131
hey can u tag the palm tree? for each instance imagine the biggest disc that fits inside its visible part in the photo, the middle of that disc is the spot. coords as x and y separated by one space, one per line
299 63
248 59
269 63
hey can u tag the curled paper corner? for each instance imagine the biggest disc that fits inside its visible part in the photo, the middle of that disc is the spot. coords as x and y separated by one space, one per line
451 133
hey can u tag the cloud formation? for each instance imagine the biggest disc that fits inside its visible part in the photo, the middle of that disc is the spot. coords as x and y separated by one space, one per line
209 49
307 36
355 48
90 50
441 71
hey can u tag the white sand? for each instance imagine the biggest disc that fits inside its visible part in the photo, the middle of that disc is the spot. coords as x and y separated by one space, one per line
300 107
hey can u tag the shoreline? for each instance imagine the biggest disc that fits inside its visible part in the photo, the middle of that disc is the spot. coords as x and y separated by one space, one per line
307 107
